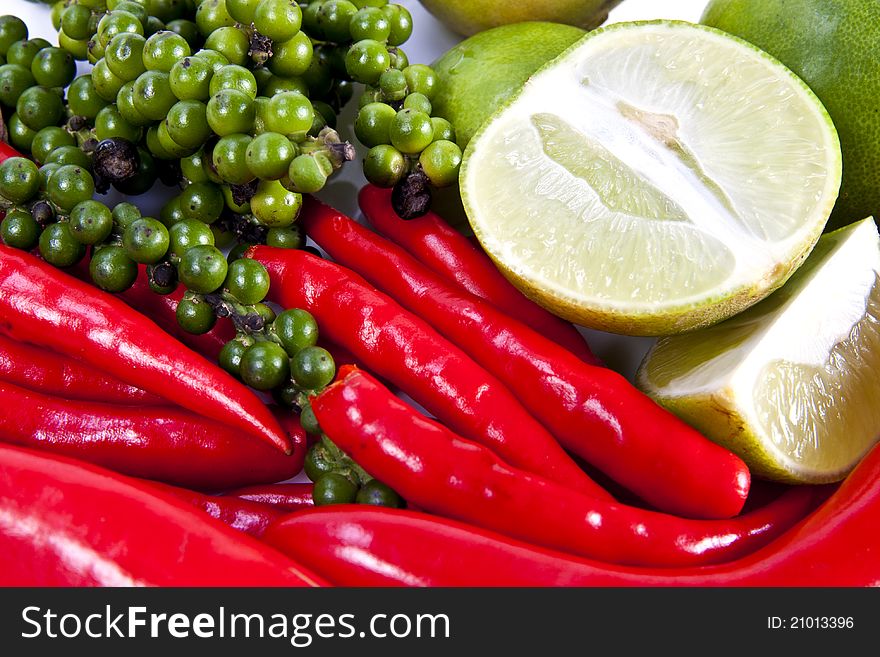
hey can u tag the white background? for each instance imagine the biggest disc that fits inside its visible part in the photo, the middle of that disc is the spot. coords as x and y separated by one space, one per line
430 39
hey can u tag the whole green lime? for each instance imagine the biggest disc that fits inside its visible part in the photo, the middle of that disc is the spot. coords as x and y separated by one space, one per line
471 16
479 75
833 46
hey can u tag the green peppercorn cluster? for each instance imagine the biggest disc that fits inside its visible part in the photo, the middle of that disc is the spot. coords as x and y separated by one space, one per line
203 99
394 119
234 102
339 480
215 85
144 91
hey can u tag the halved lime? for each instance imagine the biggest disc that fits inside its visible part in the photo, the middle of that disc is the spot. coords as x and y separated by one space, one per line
791 384
655 178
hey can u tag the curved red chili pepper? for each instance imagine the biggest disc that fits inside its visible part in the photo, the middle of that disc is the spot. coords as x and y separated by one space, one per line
341 354
426 463
284 497
54 374
289 421
162 309
7 151
236 512
402 348
43 306
837 545
443 249
64 523
357 545
155 442
593 411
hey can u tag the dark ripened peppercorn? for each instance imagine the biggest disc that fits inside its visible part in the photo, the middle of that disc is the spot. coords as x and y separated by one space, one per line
115 160
411 197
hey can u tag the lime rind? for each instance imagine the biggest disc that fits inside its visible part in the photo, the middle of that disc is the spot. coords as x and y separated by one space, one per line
685 297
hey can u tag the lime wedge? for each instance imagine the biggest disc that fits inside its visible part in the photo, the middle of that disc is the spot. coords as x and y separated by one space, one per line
791 385
655 178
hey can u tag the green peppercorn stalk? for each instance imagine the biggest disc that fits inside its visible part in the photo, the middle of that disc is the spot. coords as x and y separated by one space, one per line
339 480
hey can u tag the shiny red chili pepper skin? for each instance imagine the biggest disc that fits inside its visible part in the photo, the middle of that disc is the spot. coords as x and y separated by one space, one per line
593 411
66 523
283 497
406 351
443 249
54 374
445 474
355 545
165 443
240 514
837 545
43 306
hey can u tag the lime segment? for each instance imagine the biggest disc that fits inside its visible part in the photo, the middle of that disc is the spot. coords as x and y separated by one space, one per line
791 384
655 178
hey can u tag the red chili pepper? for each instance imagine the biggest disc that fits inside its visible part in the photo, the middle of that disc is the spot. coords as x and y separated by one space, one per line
155 442
54 374
593 411
426 463
7 151
236 512
64 523
341 354
284 497
449 253
162 309
43 306
838 545
402 348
